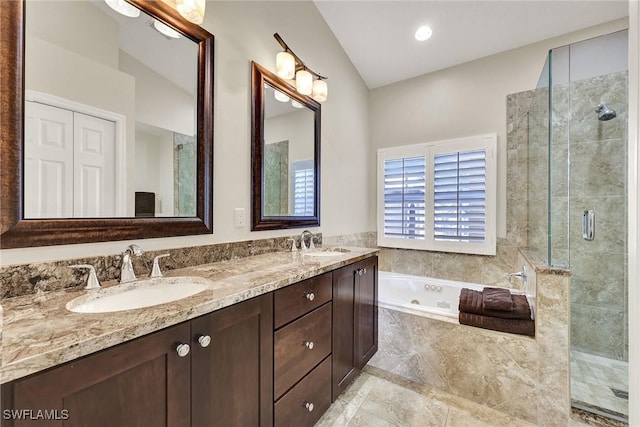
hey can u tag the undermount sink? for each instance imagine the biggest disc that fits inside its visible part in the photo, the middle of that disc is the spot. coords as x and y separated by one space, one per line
326 252
139 294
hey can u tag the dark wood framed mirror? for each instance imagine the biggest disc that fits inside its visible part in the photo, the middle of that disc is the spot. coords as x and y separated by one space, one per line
19 230
285 154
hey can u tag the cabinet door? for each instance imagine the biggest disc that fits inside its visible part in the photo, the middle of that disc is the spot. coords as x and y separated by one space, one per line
232 377
344 359
366 310
138 384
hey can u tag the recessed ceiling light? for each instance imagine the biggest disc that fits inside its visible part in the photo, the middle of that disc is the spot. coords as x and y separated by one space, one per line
423 33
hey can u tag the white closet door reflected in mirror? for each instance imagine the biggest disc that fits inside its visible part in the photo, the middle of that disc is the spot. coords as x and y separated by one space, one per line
70 164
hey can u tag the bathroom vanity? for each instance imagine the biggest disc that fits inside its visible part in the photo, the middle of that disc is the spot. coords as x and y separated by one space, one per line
273 341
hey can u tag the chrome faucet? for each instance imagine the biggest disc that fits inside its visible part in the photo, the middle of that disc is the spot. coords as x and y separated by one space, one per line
303 246
522 275
126 270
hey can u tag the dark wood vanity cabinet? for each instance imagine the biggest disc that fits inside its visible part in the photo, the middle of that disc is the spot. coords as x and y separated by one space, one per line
232 376
140 383
355 320
277 359
146 383
302 352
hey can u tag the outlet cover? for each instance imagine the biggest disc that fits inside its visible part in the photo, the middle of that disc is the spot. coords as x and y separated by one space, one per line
239 218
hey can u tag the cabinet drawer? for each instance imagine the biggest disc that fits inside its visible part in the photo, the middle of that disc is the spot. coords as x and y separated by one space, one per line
295 300
300 346
293 409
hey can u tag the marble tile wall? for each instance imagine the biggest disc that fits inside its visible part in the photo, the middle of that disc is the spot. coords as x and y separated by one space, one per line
17 280
597 180
520 376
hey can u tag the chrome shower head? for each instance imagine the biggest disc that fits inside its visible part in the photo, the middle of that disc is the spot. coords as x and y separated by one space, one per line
604 112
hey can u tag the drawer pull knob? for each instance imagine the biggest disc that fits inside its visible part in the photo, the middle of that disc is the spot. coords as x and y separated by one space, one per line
310 296
309 345
204 340
309 406
183 350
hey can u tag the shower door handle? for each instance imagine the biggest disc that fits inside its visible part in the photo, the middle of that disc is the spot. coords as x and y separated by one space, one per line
588 225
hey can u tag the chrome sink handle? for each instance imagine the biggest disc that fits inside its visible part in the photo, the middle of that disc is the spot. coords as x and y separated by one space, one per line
294 248
92 280
155 270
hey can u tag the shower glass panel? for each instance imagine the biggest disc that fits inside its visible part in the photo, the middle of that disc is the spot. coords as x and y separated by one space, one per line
586 224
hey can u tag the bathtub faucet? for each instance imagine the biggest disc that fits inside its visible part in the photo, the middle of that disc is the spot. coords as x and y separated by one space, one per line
522 274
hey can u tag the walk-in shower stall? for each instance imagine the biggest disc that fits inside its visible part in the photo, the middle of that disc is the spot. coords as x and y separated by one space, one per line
577 217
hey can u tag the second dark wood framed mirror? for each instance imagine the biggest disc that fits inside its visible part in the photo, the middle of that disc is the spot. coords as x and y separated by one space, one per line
285 154
114 69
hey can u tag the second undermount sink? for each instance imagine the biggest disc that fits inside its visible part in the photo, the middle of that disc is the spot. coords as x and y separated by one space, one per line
326 252
139 294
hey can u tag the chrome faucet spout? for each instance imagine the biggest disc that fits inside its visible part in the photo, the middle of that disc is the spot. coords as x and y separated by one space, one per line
127 274
303 245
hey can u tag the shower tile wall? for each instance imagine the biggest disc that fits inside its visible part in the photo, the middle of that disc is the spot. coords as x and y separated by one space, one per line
184 173
598 181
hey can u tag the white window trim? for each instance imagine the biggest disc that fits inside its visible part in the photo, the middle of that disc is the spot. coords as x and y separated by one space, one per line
488 142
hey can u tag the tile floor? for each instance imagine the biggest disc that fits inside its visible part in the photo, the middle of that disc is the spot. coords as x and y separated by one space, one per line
376 399
592 380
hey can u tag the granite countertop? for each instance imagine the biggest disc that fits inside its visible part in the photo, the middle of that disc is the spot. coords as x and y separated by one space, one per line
39 332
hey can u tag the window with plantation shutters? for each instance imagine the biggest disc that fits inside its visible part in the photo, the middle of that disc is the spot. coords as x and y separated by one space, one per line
404 197
439 196
459 196
302 177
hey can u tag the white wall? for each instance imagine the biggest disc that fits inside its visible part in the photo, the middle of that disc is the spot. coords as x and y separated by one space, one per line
465 100
154 168
244 32
297 128
160 102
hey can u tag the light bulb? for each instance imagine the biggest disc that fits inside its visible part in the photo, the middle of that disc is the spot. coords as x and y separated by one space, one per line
423 33
285 65
320 90
280 96
296 104
191 10
304 82
123 8
166 30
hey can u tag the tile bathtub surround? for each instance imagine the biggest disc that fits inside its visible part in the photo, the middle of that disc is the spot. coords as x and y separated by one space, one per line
39 332
520 376
18 280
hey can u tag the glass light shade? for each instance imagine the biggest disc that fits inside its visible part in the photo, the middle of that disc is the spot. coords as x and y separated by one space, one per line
191 10
304 82
296 104
166 30
279 96
285 65
320 90
123 8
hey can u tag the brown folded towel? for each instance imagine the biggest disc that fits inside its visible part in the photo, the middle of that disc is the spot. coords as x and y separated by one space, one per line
497 299
514 326
471 302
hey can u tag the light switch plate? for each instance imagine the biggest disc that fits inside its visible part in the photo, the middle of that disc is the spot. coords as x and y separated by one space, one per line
238 217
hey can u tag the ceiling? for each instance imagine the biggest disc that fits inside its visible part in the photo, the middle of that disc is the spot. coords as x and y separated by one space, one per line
378 36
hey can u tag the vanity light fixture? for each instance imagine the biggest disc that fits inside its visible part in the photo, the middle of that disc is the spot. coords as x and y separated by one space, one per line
423 33
165 30
124 8
191 10
280 96
288 65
